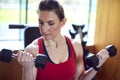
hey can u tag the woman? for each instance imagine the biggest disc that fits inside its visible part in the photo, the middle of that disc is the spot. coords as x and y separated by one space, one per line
65 57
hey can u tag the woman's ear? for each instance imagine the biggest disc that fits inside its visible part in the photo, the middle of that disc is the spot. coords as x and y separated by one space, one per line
63 22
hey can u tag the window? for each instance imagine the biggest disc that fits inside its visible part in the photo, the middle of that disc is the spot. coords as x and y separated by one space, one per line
9 14
16 12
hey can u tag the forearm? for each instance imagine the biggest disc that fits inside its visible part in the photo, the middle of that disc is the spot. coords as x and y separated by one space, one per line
28 74
88 75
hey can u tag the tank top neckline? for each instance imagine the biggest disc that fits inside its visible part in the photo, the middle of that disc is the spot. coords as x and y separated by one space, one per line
46 53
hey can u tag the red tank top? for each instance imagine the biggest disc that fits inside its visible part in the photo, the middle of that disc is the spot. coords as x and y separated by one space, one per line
62 71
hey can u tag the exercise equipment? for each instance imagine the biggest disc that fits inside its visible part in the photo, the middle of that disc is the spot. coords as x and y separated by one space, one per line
6 55
92 59
30 32
16 26
78 29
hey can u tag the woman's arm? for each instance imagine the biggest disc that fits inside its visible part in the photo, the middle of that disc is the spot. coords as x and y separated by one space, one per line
81 74
103 55
26 59
29 74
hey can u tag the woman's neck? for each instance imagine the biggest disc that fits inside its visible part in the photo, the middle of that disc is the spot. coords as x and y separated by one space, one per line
55 42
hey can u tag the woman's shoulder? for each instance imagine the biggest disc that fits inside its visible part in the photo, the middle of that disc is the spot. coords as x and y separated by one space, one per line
78 48
33 48
76 44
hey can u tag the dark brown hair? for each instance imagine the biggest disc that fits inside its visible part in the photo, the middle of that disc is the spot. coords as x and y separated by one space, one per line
52 5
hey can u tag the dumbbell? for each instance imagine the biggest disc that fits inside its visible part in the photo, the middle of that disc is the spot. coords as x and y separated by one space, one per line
92 60
6 55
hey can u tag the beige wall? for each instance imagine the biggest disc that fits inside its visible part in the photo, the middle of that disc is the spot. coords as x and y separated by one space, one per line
108 32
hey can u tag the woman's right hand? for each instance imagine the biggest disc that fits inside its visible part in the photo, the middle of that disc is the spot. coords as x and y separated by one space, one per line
25 59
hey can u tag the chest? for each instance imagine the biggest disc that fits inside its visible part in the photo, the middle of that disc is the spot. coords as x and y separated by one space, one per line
58 55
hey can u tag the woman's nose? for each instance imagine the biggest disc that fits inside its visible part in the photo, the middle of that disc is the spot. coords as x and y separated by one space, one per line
45 28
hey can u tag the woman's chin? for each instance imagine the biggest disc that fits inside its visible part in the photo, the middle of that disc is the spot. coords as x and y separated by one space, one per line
47 37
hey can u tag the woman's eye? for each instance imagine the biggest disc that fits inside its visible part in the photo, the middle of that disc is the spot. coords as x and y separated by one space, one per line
51 23
40 23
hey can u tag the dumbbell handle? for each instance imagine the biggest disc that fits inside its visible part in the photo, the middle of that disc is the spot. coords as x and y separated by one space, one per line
93 60
16 55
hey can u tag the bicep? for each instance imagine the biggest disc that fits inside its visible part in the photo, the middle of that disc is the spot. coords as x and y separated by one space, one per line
79 60
79 68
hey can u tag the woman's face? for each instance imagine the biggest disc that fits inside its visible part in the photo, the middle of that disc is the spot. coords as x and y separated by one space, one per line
49 24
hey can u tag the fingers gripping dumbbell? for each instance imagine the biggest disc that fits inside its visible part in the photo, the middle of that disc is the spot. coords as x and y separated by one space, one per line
93 60
6 55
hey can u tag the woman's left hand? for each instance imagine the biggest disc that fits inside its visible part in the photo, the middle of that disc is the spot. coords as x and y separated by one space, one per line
102 55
